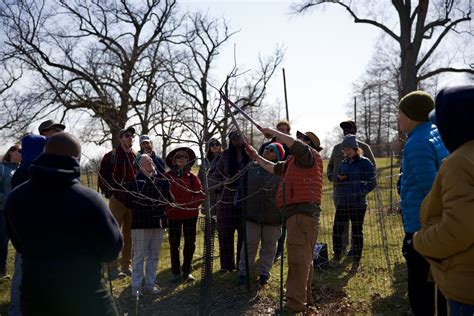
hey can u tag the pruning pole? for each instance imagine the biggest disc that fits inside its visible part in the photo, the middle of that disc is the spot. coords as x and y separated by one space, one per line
283 233
286 96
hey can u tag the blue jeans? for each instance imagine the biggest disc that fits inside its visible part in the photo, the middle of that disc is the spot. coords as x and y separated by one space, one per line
14 307
460 309
3 242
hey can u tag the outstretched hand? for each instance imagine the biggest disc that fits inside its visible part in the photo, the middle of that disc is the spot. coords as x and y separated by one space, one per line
251 152
267 132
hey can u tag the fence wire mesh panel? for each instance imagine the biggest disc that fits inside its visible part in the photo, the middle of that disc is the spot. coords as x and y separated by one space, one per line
378 287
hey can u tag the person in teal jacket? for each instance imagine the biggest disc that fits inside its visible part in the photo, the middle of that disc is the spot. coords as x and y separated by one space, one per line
7 168
422 156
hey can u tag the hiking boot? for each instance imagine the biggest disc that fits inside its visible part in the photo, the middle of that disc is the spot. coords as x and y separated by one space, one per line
263 279
335 262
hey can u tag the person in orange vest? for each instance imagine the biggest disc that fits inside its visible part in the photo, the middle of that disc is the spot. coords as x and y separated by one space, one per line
299 193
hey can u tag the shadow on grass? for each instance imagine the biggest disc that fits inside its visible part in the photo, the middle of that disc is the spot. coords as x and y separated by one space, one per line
185 298
397 303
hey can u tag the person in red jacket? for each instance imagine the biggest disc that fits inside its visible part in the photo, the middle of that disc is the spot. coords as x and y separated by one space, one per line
182 213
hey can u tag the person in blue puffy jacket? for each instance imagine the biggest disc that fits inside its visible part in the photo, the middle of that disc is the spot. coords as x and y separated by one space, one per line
355 179
422 155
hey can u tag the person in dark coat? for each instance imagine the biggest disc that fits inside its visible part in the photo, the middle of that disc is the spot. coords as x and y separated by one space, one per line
229 208
32 146
263 219
63 232
150 195
355 178
209 164
7 168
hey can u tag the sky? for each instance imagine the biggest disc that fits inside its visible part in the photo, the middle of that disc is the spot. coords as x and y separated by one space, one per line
325 53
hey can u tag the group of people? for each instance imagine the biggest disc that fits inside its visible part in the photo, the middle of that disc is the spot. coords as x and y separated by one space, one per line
437 190
63 232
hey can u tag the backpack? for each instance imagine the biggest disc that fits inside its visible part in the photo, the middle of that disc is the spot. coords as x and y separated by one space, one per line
320 256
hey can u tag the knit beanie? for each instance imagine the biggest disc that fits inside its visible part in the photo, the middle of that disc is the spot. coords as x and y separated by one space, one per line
31 147
417 105
279 150
349 142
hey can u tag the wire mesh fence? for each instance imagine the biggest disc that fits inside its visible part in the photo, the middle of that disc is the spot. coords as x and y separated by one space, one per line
379 286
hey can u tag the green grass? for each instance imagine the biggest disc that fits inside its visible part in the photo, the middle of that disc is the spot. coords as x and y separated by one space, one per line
379 288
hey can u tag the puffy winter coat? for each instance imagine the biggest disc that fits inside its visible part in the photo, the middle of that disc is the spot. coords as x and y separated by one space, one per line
423 153
360 180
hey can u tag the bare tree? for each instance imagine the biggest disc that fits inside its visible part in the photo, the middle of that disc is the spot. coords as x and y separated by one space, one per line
422 27
99 59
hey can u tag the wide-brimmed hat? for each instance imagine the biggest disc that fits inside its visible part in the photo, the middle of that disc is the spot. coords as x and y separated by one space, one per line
312 137
189 151
50 124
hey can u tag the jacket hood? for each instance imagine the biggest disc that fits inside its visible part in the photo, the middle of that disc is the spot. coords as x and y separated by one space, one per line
55 170
31 147
455 115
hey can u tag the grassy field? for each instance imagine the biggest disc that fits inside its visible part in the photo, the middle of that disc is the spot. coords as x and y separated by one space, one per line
379 288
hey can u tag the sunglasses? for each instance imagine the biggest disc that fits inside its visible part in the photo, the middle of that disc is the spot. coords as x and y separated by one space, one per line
128 135
214 144
270 149
17 149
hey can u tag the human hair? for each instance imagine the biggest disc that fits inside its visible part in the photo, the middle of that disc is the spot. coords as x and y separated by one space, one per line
284 122
63 144
8 154
233 165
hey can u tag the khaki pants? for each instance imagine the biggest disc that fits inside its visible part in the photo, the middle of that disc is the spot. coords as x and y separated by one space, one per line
302 235
123 216
265 235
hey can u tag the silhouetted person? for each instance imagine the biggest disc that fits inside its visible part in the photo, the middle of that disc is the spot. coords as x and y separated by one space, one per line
63 232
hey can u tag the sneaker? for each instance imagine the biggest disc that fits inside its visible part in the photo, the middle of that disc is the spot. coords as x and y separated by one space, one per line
189 278
335 262
154 290
222 270
241 280
355 267
176 278
263 279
